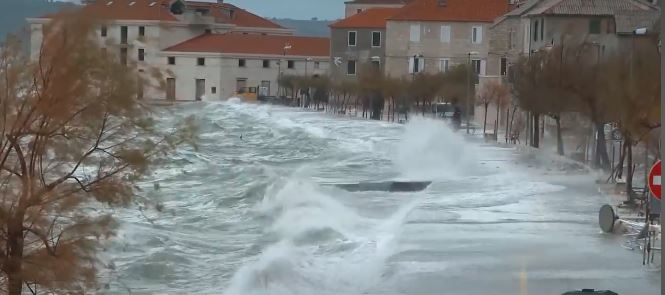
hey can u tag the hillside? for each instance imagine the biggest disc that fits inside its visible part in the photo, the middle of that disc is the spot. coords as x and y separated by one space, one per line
14 13
313 28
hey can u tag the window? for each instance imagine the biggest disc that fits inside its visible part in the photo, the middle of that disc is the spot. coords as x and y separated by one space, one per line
542 29
351 67
444 64
104 31
171 60
376 39
535 31
475 64
291 64
376 64
123 35
242 63
359 10
353 38
208 31
416 64
594 26
511 39
141 31
414 34
610 27
445 34
477 35
317 65
123 56
213 90
266 63
141 54
201 61
504 66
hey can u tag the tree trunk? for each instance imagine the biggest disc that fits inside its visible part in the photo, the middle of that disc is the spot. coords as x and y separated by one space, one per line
512 119
629 174
496 123
507 121
13 265
535 142
559 137
602 159
485 120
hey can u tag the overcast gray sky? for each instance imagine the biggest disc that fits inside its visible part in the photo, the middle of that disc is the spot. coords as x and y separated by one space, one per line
297 9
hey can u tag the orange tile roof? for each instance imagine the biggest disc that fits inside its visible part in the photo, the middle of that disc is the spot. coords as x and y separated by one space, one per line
159 10
255 44
454 10
370 18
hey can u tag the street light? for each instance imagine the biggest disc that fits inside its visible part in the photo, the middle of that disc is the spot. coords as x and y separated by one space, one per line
468 94
286 47
306 63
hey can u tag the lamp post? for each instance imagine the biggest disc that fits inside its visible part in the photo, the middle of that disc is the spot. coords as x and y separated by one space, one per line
286 47
468 91
306 64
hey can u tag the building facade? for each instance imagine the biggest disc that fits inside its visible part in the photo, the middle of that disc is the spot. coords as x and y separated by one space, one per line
359 40
138 32
218 66
434 35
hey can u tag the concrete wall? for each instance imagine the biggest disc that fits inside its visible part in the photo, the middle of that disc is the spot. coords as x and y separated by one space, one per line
556 27
361 53
352 9
36 37
501 44
399 48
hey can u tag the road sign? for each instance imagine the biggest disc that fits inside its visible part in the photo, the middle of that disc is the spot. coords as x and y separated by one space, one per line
654 180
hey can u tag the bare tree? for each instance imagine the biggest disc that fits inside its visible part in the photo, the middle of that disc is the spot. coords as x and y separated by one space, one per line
72 133
493 92
631 91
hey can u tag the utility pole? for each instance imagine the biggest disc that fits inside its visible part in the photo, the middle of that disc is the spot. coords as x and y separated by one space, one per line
467 109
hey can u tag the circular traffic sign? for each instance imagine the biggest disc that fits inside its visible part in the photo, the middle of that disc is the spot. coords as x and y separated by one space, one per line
654 180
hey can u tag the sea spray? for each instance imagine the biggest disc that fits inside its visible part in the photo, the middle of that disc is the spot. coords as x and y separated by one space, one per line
429 149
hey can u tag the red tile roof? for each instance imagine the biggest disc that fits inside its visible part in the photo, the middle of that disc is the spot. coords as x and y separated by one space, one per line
370 18
454 10
255 44
160 10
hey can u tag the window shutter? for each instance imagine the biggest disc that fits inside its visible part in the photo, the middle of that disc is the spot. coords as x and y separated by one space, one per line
445 34
421 64
410 65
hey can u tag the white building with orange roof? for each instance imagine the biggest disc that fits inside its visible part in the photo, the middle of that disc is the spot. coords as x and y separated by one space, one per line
138 31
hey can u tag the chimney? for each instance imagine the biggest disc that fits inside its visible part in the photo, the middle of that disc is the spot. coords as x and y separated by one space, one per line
220 1
441 3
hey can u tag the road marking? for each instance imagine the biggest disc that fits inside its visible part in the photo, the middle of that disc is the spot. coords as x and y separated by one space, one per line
656 180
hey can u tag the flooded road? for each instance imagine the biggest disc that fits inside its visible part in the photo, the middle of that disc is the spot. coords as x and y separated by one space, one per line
255 211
